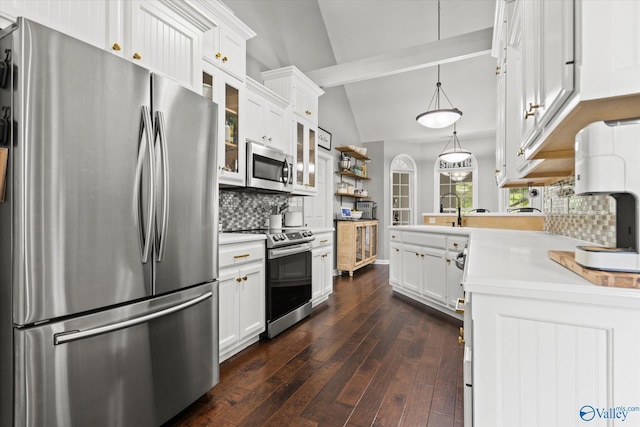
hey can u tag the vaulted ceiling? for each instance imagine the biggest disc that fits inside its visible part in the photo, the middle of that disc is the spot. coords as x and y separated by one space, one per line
376 59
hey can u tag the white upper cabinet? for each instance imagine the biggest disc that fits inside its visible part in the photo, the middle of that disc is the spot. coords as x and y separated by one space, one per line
161 40
569 63
545 37
268 117
295 87
165 37
305 102
225 45
97 22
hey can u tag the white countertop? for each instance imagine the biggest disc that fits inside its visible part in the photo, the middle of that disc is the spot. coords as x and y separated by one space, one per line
514 262
231 237
322 230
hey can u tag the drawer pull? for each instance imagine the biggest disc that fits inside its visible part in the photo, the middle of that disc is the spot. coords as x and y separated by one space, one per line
241 256
323 241
460 340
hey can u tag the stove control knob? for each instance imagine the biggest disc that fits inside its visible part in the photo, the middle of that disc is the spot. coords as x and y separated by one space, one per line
275 238
282 237
309 234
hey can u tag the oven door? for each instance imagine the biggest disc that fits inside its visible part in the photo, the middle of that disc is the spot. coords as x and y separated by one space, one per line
268 168
288 279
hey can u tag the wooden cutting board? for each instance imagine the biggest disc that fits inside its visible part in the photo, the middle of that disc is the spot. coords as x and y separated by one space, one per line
601 278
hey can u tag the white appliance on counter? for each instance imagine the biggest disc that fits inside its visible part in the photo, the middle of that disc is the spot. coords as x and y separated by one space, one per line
108 238
607 159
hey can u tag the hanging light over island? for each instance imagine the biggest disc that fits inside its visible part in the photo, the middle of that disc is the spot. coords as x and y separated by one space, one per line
438 117
457 153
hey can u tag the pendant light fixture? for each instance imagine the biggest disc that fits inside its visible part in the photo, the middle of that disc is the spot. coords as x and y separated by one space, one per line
457 153
437 117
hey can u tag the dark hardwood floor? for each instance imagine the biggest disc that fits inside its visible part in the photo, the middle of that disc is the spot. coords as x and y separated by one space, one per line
363 358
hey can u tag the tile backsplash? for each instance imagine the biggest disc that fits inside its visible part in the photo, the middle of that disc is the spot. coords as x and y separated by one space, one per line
591 218
242 210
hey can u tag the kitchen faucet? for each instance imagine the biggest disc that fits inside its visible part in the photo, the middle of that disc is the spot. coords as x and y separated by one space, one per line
457 205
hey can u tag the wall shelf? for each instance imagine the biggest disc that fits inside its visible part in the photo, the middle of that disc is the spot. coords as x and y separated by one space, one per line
352 175
352 153
356 196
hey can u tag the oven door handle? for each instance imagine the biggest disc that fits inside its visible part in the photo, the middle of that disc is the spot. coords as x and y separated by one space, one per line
289 250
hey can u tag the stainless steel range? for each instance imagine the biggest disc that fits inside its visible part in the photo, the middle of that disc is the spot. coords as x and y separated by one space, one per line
288 278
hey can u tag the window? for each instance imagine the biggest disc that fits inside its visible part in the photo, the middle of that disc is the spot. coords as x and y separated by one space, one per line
403 184
455 182
518 197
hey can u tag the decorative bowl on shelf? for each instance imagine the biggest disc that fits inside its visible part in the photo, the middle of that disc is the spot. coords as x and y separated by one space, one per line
356 214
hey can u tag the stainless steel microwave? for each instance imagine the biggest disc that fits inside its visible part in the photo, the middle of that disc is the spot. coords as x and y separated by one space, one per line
269 168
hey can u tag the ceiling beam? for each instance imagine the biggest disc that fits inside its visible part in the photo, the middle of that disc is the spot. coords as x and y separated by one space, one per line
451 49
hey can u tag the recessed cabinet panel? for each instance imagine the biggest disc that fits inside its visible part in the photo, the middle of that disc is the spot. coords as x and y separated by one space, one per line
95 22
161 41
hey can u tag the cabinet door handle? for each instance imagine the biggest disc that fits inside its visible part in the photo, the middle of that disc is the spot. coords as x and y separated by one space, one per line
241 256
533 106
307 112
245 278
397 250
520 152
238 280
323 241
116 46
448 261
528 114
218 55
224 59
460 340
455 245
137 56
497 70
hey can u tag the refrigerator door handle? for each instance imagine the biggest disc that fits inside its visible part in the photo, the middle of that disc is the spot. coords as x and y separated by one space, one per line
162 135
65 337
145 130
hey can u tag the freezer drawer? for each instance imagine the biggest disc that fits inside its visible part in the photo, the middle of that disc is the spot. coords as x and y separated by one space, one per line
136 365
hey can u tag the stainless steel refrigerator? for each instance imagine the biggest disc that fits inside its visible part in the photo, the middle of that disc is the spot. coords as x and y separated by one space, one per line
108 237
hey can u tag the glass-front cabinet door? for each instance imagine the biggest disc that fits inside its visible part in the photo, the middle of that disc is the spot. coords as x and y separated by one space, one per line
232 152
359 244
305 150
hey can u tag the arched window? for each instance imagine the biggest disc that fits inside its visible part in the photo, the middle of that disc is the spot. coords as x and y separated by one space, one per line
455 183
403 190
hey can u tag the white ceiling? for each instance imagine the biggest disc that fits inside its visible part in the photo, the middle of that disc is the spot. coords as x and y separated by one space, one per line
315 34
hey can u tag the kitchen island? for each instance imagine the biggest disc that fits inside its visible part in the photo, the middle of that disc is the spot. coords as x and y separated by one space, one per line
543 346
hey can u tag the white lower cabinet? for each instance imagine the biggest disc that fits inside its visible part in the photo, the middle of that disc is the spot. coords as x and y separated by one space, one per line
322 268
422 267
242 296
395 263
555 359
